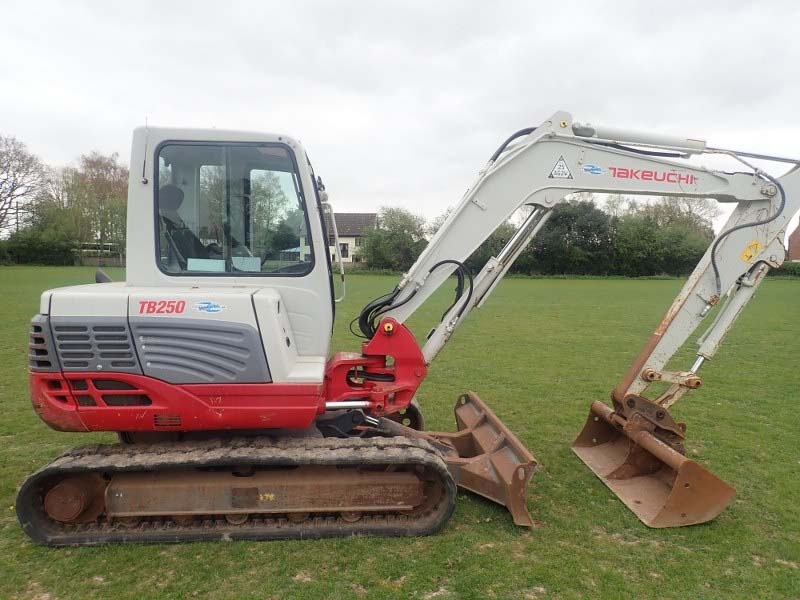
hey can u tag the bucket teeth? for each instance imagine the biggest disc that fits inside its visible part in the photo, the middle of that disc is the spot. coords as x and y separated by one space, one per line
652 477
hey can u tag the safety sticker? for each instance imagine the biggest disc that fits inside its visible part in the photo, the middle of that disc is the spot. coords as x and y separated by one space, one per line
751 250
560 170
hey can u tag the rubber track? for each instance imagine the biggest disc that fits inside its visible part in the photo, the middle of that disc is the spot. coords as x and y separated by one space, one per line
233 453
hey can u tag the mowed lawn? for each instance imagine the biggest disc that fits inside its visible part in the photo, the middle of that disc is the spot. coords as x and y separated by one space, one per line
539 352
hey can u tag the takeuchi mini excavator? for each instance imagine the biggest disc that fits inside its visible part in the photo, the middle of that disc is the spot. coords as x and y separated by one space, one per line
212 363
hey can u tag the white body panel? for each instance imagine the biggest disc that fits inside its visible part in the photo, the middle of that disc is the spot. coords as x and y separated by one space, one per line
280 343
92 300
262 309
219 304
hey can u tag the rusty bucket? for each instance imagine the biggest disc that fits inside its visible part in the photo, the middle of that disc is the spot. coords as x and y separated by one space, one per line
484 457
628 452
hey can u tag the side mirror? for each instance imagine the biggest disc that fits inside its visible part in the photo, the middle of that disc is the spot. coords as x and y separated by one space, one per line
323 195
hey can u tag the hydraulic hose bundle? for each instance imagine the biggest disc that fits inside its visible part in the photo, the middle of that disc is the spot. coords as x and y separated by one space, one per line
369 317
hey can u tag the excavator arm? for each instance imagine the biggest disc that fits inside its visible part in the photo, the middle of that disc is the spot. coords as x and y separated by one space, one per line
735 264
636 447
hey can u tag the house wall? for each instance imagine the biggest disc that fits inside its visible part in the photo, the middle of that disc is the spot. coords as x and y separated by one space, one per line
353 250
794 246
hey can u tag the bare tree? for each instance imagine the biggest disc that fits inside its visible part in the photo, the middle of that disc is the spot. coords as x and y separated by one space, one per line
618 205
436 224
697 213
706 209
104 182
268 202
21 175
87 201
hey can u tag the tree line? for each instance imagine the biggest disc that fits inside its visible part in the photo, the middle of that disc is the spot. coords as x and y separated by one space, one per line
48 214
622 237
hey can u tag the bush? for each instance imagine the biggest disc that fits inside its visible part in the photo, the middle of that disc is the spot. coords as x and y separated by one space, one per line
787 269
40 246
5 258
396 243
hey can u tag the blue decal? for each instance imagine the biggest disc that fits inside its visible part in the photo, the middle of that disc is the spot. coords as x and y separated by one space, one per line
207 306
594 170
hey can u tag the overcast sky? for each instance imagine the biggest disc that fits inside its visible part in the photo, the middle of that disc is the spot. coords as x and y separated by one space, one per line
397 103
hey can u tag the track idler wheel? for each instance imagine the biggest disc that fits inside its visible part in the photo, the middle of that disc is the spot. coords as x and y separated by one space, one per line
76 499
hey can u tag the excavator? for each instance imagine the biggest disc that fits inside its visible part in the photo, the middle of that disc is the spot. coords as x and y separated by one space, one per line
212 360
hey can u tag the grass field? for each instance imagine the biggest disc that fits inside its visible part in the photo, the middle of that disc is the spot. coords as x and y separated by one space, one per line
538 353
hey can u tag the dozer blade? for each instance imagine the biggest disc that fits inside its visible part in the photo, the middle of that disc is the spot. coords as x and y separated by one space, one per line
659 484
487 459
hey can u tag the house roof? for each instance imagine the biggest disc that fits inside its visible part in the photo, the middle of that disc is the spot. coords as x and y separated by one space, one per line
352 224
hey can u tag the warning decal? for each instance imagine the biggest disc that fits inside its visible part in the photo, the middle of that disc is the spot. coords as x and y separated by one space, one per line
750 251
561 170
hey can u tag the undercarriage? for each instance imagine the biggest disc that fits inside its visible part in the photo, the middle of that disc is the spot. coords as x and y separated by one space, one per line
205 487
241 488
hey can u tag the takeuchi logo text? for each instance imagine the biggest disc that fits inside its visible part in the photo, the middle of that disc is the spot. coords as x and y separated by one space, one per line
649 175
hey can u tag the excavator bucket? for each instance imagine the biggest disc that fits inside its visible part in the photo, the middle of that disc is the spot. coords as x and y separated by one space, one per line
484 457
656 481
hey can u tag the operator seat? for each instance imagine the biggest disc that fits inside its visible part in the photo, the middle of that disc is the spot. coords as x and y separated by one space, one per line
182 239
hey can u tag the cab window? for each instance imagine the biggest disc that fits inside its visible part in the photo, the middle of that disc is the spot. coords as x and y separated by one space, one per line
231 209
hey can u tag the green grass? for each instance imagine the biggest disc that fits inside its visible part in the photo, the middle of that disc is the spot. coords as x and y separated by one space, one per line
538 353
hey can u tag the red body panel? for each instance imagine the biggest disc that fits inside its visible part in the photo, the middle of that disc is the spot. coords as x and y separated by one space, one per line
80 406
126 402
393 341
53 402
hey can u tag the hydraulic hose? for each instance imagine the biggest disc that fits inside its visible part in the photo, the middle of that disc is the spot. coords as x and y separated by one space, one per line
369 316
512 137
722 236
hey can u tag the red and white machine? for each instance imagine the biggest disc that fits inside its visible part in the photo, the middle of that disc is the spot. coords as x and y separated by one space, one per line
212 360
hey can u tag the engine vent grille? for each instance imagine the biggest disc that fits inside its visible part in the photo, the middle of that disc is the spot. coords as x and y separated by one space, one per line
94 344
127 400
40 346
162 420
199 351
